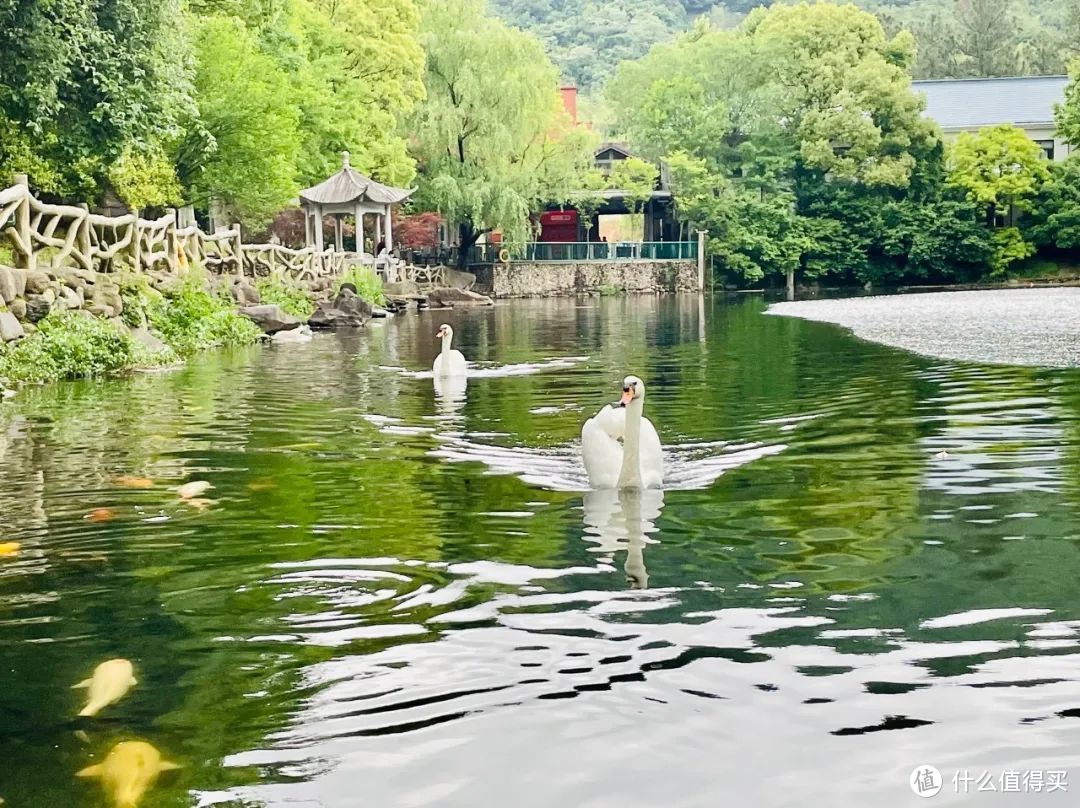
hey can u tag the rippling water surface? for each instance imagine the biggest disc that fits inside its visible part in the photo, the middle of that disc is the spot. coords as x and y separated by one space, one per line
866 561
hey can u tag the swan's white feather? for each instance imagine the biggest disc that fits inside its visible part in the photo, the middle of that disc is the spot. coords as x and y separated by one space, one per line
455 364
603 453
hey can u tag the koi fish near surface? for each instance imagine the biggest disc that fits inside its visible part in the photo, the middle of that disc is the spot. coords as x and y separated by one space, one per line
128 481
110 682
128 771
194 489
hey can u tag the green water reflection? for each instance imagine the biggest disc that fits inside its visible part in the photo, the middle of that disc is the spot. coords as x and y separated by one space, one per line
340 548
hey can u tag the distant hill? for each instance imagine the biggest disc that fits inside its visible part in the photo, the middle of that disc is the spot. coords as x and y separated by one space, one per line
958 38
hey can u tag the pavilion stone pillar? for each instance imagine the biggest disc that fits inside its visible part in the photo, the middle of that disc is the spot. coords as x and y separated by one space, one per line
360 233
307 226
389 231
378 232
339 234
318 225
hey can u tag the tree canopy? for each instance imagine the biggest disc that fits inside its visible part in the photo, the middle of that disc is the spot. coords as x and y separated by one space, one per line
788 138
242 101
956 38
492 140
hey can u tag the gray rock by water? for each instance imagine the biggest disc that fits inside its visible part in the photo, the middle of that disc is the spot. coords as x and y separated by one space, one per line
20 283
72 299
458 297
109 296
10 328
270 319
36 282
456 279
401 289
18 308
147 340
7 284
245 294
37 308
347 310
101 310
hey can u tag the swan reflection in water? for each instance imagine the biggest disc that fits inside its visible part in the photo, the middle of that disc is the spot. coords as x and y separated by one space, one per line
619 520
450 394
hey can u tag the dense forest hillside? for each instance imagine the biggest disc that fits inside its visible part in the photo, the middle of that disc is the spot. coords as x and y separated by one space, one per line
957 38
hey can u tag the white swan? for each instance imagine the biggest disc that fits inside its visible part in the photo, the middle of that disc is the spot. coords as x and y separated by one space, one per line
636 462
449 362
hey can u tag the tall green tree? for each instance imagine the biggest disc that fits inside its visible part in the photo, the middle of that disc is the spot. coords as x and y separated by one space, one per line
1055 212
82 84
491 139
358 74
849 101
786 137
1000 169
245 105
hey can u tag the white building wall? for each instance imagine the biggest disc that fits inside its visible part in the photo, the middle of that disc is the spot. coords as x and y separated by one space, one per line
1037 133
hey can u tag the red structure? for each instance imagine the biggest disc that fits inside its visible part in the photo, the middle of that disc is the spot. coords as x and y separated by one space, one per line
569 99
559 226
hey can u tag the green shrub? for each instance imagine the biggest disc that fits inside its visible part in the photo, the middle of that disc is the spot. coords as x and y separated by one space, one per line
281 291
191 319
369 285
1009 247
68 346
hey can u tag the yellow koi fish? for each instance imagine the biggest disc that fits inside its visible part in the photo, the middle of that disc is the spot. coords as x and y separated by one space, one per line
111 680
128 771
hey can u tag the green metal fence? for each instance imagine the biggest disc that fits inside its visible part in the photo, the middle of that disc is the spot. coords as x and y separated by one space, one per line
579 251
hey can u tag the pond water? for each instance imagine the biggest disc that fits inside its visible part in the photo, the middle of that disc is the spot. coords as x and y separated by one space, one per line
867 562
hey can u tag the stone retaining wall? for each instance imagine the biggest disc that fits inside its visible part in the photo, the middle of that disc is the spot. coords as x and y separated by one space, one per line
523 279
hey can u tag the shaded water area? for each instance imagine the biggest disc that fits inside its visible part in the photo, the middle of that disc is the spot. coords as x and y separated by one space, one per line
867 561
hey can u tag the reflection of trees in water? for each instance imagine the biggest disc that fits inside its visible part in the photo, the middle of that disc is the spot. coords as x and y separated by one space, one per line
842 499
623 521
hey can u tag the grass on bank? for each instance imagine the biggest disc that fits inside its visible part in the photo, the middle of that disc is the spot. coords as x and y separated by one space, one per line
369 285
72 345
191 319
280 291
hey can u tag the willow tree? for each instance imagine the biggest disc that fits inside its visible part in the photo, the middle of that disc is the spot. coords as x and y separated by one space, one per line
492 141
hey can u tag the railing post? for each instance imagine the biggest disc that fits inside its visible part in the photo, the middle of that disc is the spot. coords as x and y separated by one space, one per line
26 260
701 234
172 244
238 249
83 239
136 243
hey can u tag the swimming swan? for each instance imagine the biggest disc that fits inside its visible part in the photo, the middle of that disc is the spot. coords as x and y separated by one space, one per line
636 462
449 362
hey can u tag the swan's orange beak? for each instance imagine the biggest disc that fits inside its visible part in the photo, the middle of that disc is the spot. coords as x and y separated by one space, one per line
627 396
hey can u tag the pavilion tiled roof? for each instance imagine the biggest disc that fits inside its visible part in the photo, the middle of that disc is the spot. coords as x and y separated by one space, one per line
350 186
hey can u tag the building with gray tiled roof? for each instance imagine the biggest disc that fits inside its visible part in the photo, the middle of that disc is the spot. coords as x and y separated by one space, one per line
967 105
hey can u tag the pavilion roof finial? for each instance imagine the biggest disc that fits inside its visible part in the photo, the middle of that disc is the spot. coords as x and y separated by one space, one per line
344 159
